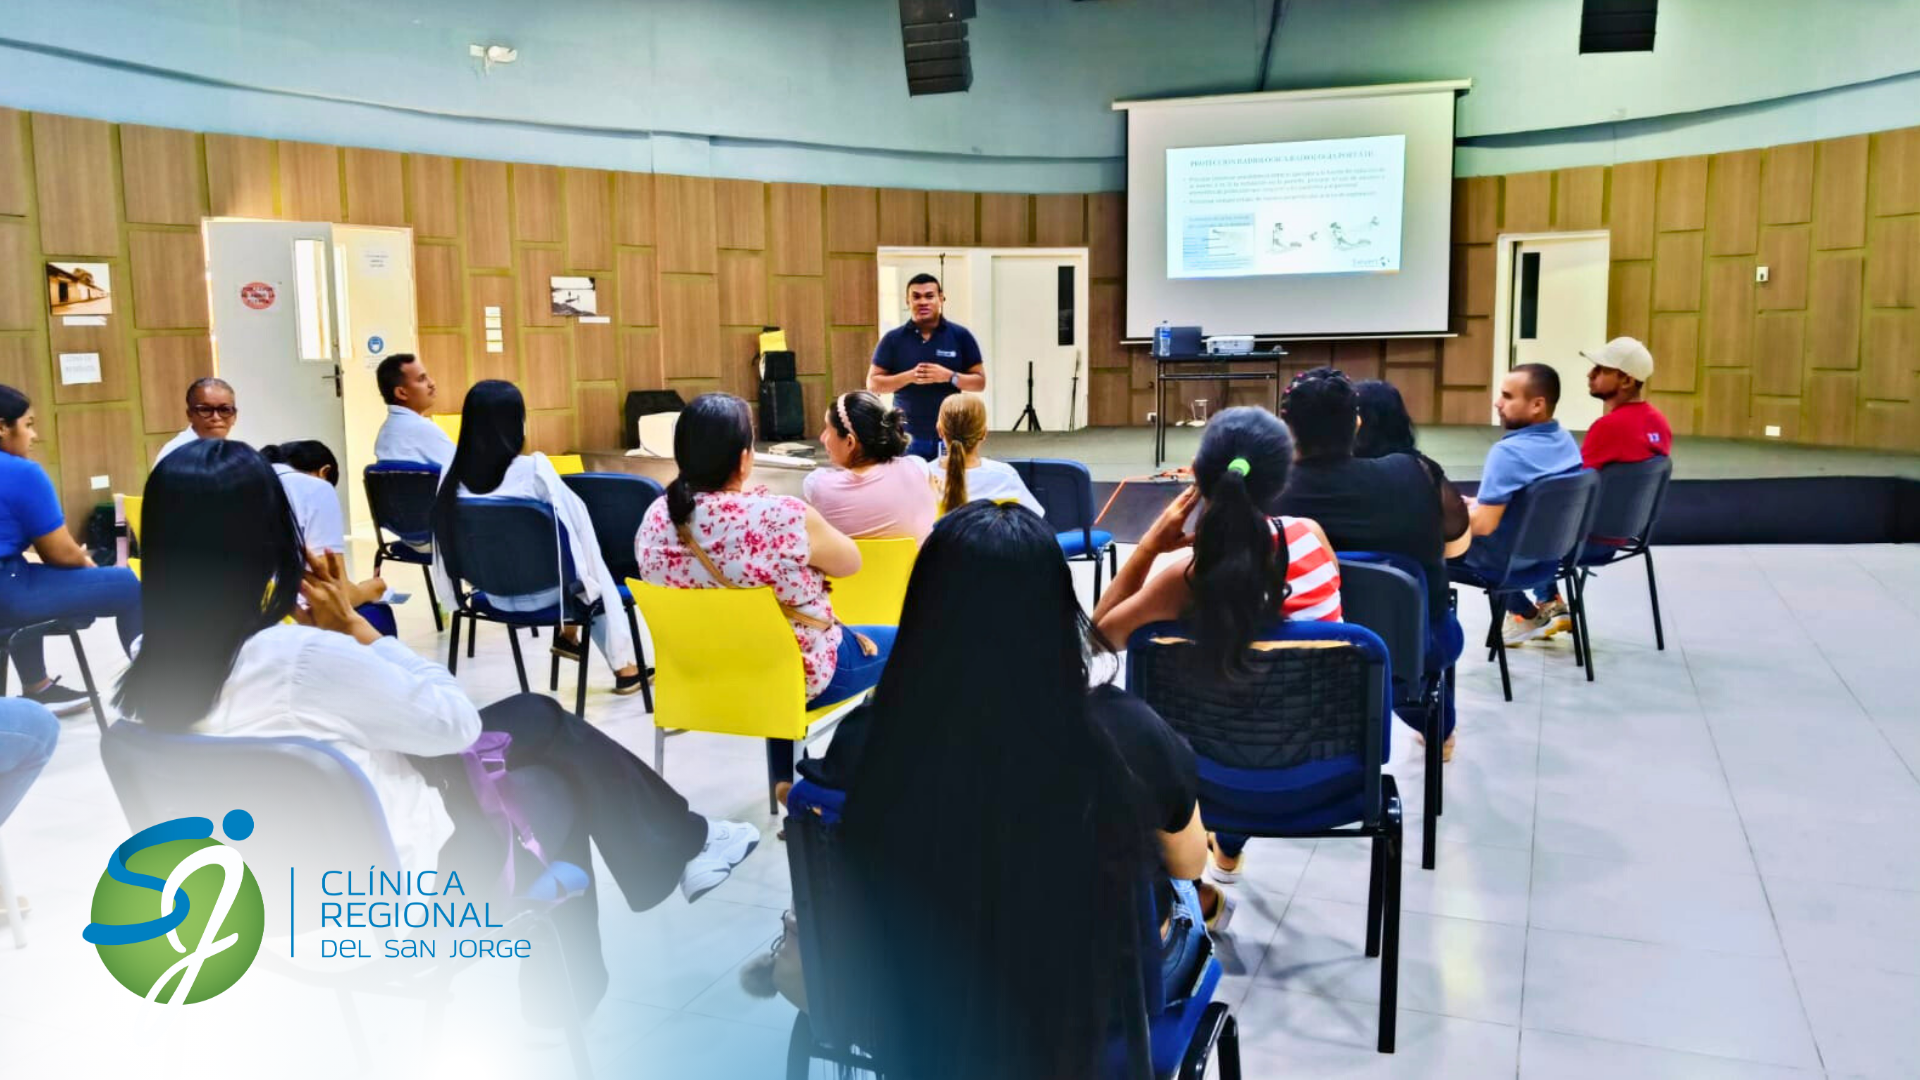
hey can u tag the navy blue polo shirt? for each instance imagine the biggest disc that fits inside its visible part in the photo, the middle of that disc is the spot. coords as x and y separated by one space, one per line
902 349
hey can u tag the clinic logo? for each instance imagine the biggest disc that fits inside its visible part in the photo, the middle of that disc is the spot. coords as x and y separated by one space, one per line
177 917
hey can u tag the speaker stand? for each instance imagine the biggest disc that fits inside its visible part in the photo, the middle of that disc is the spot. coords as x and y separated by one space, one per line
1027 415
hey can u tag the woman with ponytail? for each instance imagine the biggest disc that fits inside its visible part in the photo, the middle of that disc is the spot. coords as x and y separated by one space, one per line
964 474
875 490
1246 568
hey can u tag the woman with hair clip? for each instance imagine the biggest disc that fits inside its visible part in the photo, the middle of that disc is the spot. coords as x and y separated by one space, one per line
714 532
875 490
964 474
491 461
1246 568
219 535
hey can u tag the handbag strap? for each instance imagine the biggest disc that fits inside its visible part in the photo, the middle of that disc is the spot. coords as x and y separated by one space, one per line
793 614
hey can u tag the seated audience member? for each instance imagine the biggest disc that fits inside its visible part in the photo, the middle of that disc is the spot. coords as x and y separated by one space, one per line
211 410
310 473
1387 428
407 434
492 462
875 490
1246 569
64 583
28 733
713 532
1534 447
1391 503
1032 789
220 534
964 474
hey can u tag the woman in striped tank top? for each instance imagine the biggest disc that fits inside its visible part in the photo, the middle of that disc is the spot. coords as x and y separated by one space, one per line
1244 567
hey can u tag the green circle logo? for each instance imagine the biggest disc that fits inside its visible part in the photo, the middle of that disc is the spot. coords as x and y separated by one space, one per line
177 916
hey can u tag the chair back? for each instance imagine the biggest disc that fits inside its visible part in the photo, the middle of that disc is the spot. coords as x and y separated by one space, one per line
1631 495
449 423
400 496
505 547
567 464
875 595
616 502
1552 513
725 661
312 805
1386 593
1064 488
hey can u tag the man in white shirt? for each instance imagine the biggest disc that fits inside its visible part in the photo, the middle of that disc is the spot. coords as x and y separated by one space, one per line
408 435
211 412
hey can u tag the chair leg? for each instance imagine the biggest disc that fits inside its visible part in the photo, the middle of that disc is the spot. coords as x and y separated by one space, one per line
586 651
11 901
553 676
1430 816
519 664
1228 1053
660 750
473 634
1500 646
1390 945
1097 567
1376 882
1572 598
86 679
1578 612
453 646
1653 593
800 1048
433 602
5 665
640 655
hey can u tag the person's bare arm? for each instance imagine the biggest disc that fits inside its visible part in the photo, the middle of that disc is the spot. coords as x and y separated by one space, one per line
1164 596
1483 519
59 548
831 552
880 382
1167 533
1458 545
1184 854
368 591
973 380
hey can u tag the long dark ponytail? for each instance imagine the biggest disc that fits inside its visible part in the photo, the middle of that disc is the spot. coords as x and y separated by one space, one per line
493 431
708 439
1238 578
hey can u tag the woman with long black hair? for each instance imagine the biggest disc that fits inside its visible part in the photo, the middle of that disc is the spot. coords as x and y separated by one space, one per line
491 462
218 659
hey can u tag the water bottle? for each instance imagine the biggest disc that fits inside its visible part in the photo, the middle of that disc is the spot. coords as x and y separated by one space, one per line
1163 340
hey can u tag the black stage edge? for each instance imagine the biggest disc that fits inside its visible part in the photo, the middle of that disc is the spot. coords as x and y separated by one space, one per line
1788 510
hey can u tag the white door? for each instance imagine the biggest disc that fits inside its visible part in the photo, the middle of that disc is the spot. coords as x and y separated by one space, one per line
1558 306
377 319
1038 306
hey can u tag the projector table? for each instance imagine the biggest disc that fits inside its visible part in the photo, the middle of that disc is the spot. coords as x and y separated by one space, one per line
1191 360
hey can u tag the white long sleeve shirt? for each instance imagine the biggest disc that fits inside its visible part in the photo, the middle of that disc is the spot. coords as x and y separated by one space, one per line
408 436
316 506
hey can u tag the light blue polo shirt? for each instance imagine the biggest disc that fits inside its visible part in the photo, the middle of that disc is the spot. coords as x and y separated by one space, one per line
1523 456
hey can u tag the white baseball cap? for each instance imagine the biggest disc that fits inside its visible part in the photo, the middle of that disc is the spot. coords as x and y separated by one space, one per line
1623 354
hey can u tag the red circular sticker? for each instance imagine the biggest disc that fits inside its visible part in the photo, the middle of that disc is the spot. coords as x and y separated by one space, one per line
257 295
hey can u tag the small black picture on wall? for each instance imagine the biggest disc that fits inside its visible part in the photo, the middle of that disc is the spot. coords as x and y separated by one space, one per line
79 288
574 296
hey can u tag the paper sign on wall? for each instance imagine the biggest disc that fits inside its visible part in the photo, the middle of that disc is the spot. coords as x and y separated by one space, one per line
376 262
78 368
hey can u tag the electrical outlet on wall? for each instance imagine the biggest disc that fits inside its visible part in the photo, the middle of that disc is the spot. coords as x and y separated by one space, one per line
1773 431
1760 274
99 483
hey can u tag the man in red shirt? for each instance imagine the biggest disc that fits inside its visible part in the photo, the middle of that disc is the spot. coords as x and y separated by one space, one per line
1629 430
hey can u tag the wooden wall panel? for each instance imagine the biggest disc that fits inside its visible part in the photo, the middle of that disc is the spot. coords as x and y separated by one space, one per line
551 433
1780 412
1723 413
538 266
1106 235
1888 425
689 322
240 176
589 197
1630 209
1830 406
798 235
111 344
444 355
1890 354
1784 252
1893 262
1417 391
1107 397
594 352
1840 194
1467 406
21 308
310 181
1896 171
1676 271
23 366
1003 220
1527 202
1733 203
489 290
489 233
438 284
536 203
598 408
852 355
96 442
950 217
160 174
903 217
73 173
433 203
1682 411
1630 299
740 214
1681 201
800 308
1729 313
1580 198
853 296
14 185
376 190
641 367
1786 184
169 280
168 365
1359 359
547 380
1059 220
1676 352
683 214
637 275
853 219
739 373
1106 325
1833 313
743 288
1779 343
1476 210
633 208
1466 360
1472 279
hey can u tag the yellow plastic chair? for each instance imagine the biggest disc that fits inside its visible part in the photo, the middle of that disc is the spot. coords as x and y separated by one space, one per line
875 595
567 464
725 662
449 423
134 565
130 513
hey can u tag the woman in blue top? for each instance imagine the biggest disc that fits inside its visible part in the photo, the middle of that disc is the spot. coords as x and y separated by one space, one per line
64 583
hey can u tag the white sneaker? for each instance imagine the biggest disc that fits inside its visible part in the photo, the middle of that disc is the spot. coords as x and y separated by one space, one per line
1558 620
728 845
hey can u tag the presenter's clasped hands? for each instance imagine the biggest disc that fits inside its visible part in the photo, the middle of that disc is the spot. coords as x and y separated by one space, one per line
932 373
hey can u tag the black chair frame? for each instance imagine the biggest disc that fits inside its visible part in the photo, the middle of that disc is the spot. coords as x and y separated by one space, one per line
70 628
1625 510
382 504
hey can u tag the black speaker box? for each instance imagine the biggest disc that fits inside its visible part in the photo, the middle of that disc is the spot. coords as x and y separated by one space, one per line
782 412
779 367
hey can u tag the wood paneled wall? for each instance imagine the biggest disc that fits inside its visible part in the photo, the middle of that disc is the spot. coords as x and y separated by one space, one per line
690 268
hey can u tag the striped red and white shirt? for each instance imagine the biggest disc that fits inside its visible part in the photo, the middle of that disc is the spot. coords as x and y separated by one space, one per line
1312 571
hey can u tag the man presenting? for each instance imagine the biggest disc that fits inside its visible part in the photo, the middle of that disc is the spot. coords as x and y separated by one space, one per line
210 414
407 434
924 362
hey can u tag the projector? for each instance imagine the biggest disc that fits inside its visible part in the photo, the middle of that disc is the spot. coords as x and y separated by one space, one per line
1230 345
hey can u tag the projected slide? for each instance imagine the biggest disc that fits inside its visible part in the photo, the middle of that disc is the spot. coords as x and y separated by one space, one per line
1330 206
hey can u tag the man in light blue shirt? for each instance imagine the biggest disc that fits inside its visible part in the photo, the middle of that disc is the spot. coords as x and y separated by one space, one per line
1534 447
408 435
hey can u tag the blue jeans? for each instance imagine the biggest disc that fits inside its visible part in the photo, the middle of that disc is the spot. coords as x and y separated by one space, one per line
1181 953
1488 558
925 448
27 734
853 671
35 592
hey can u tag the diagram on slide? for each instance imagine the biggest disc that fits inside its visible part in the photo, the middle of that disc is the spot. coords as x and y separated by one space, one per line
1328 206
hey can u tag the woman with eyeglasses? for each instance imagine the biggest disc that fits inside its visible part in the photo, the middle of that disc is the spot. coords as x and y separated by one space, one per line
211 411
64 583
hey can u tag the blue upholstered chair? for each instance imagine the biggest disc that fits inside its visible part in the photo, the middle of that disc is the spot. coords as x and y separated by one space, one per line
400 496
617 502
1065 490
1624 514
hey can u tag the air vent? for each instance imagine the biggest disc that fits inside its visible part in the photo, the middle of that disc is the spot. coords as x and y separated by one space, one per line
1617 25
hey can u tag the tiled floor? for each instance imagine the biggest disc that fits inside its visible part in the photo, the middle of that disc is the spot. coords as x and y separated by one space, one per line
1704 865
